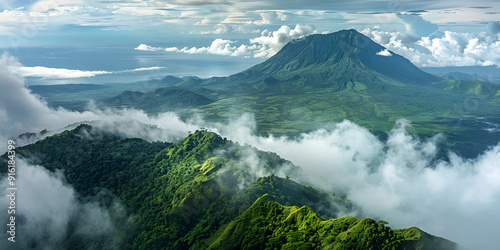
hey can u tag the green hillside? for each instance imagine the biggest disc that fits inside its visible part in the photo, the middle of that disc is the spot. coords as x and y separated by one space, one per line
205 191
267 223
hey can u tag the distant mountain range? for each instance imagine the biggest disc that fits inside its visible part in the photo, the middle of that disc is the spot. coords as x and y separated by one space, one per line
483 73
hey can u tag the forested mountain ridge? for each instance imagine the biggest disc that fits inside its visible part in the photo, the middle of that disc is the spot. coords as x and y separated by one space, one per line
205 191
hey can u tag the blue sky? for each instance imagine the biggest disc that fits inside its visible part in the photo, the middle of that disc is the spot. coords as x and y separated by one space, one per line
429 33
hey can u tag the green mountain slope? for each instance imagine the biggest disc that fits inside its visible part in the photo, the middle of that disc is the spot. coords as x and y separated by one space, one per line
267 223
187 194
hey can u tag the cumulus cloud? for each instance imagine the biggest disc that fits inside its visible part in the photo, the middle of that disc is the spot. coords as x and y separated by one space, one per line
61 73
268 44
274 41
445 49
145 47
217 47
384 52
415 24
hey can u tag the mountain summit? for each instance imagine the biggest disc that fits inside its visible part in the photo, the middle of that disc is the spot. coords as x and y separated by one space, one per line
341 57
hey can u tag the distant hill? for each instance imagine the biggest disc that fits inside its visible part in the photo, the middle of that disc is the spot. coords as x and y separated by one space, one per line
485 73
162 99
168 80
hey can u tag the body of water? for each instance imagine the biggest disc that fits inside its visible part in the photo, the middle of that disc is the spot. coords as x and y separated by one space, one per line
119 59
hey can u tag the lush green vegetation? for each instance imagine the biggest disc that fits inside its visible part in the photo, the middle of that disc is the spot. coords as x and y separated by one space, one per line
267 224
207 192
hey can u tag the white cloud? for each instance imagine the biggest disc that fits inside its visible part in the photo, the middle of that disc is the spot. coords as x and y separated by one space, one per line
268 44
273 42
416 25
55 73
445 49
218 47
384 52
143 69
45 5
60 73
145 47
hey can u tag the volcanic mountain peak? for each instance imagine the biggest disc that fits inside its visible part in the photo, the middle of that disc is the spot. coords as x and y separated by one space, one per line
345 53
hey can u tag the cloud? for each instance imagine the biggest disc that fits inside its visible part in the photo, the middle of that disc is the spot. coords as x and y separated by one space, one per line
141 69
25 112
202 2
60 73
444 49
145 47
384 52
218 47
274 41
415 24
55 73
45 5
268 44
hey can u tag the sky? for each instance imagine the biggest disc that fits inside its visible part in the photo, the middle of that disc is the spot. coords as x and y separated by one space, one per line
69 41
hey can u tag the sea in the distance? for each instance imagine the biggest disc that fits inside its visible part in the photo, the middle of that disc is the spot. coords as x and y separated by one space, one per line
122 58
